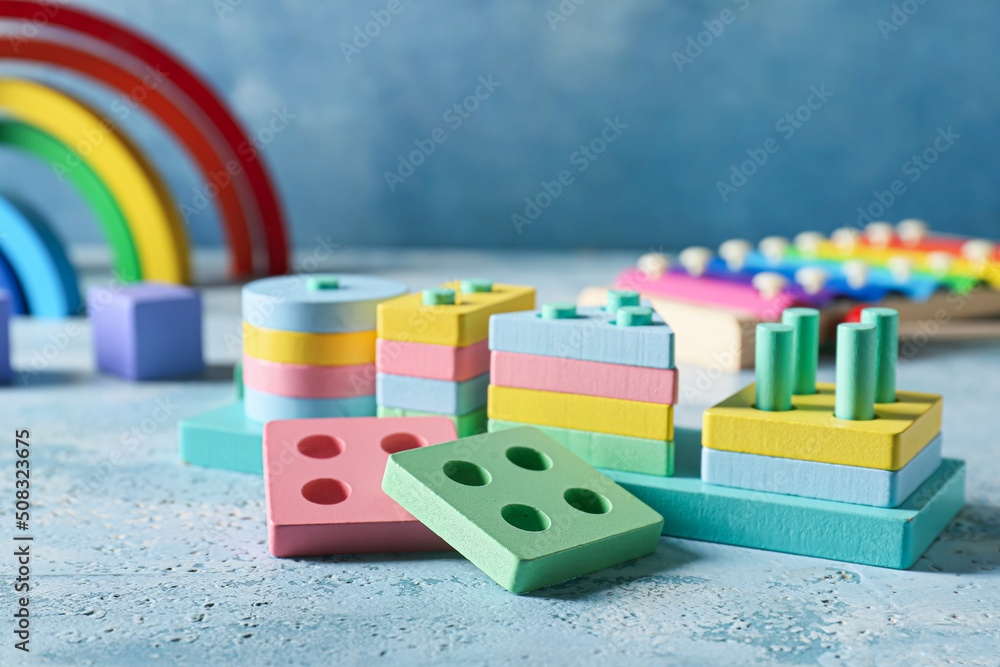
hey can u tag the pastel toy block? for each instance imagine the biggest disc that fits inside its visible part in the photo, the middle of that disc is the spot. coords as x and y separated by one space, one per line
602 450
407 319
810 431
290 347
323 485
303 381
238 379
883 537
5 302
442 396
147 331
825 481
653 421
222 438
589 378
434 362
521 507
320 303
472 423
590 336
262 406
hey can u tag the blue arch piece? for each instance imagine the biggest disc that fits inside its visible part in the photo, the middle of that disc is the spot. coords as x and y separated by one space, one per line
10 284
39 262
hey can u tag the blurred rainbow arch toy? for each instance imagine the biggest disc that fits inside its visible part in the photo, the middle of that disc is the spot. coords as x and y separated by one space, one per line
137 214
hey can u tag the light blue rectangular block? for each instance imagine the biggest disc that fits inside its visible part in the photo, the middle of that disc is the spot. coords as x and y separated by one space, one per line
591 336
264 407
441 396
884 537
825 481
222 438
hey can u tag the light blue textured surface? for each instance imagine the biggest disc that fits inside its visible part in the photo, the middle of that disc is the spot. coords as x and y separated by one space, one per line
264 407
591 336
825 481
141 559
287 303
222 438
441 396
879 536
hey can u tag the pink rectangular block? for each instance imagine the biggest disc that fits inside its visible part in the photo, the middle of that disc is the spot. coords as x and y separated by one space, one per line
707 291
323 485
589 378
433 362
302 381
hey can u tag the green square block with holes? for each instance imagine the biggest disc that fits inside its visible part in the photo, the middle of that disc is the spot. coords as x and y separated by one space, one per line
521 507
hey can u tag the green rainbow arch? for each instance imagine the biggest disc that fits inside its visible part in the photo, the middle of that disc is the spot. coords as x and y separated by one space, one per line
46 147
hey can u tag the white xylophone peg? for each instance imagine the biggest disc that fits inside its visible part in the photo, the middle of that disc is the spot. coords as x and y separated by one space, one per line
735 251
978 251
856 272
900 267
773 248
911 231
808 243
653 264
845 238
695 259
769 284
811 278
940 262
879 233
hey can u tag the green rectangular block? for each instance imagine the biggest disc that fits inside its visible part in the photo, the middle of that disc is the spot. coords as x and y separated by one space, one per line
223 438
885 537
521 507
604 450
468 424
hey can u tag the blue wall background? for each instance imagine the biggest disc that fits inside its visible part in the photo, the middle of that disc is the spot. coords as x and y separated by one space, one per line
688 122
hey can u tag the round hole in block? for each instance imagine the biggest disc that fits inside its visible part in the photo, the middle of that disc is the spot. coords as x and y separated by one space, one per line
326 491
526 518
528 458
587 501
400 442
321 446
466 473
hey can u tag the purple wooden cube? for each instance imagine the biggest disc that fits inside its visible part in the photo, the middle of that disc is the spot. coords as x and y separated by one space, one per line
147 331
4 337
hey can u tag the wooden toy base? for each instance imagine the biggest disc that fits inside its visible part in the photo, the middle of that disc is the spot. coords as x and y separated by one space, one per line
222 438
893 538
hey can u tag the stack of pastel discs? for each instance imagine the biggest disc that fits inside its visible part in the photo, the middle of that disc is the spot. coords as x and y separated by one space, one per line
309 345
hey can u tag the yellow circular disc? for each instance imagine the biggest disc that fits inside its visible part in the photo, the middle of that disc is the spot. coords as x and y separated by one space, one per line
294 347
159 236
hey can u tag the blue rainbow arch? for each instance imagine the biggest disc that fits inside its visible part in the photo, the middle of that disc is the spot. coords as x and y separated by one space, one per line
10 284
35 256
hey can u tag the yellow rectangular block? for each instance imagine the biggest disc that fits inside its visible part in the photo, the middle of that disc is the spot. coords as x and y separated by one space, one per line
636 419
810 432
406 319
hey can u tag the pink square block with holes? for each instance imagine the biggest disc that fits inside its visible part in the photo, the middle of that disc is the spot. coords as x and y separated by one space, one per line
323 485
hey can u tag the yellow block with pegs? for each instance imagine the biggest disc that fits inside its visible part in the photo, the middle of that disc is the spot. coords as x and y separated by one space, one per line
464 322
810 432
293 347
635 419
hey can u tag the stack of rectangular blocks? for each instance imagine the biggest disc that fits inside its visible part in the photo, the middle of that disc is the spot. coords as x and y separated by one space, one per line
432 354
601 382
